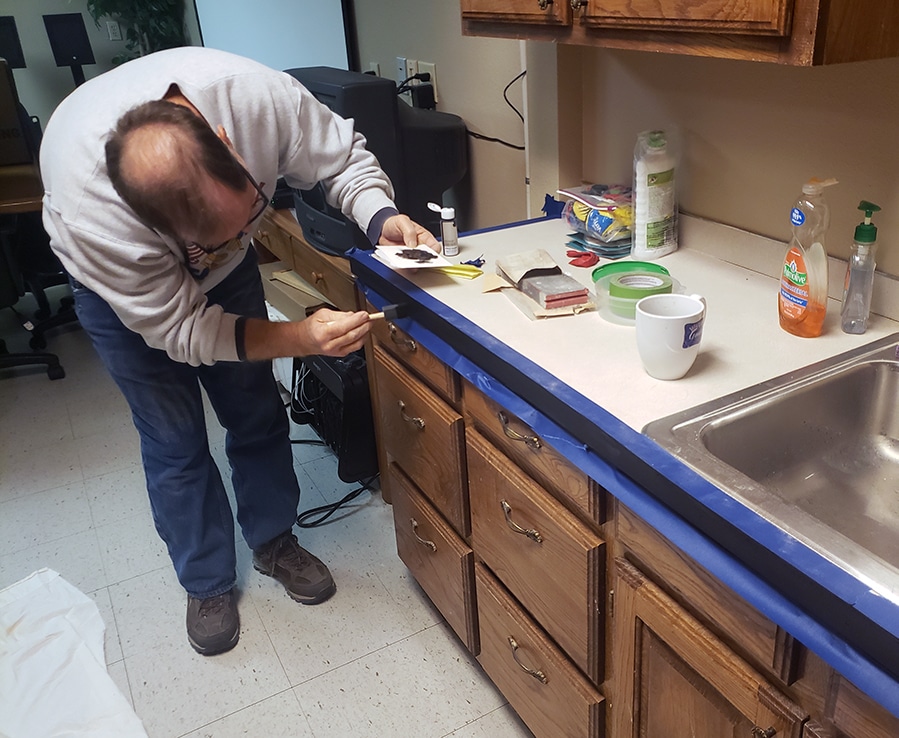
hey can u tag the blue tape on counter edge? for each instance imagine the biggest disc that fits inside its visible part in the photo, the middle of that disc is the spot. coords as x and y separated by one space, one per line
834 650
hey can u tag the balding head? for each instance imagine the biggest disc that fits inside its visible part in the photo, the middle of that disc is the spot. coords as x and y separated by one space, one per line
166 163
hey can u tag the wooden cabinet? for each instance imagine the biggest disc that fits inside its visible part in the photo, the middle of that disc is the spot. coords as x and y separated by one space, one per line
798 32
759 17
329 276
588 619
674 677
537 12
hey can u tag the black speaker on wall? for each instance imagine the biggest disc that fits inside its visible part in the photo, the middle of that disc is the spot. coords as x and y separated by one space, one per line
10 45
69 42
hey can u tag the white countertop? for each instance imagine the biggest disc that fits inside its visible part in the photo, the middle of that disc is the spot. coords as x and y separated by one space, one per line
742 342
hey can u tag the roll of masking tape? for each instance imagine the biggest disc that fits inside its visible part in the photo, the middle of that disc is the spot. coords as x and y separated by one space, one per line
636 285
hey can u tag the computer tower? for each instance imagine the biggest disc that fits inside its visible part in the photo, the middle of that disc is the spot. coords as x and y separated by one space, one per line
332 395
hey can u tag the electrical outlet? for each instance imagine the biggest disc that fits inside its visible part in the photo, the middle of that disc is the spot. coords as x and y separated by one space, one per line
113 30
400 69
411 69
430 68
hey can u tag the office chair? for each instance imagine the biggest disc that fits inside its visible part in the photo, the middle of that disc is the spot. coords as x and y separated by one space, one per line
40 268
11 289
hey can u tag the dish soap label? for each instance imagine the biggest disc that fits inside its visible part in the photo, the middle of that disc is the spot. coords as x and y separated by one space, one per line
794 285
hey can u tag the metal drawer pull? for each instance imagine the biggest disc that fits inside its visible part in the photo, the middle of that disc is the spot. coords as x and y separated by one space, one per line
757 732
406 343
530 441
531 533
317 277
544 4
417 422
428 544
536 673
577 4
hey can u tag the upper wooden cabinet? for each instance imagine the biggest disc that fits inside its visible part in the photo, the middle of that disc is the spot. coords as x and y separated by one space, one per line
538 12
748 16
797 32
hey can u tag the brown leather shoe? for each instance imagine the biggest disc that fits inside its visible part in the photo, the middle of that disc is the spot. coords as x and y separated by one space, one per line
305 577
213 625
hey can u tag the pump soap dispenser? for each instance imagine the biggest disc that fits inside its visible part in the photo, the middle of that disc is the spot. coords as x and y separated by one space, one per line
860 274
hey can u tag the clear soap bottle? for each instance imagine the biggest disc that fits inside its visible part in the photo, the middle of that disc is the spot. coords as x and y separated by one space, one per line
655 196
802 300
860 274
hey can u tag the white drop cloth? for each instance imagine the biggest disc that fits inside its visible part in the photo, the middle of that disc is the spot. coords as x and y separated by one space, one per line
53 678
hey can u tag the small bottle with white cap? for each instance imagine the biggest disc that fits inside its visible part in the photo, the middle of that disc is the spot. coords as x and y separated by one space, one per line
448 233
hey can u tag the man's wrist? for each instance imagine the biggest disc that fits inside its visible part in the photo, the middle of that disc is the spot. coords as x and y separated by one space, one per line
376 224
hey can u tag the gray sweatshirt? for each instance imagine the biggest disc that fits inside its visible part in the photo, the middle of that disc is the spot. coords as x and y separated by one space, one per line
154 286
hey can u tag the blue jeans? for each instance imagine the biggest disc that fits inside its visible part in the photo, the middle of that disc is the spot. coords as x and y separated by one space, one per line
190 507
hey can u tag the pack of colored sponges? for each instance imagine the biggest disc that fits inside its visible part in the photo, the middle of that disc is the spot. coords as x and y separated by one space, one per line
602 213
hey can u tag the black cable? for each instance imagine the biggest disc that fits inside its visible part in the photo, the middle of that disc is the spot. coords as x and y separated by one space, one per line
506 98
482 137
405 85
326 511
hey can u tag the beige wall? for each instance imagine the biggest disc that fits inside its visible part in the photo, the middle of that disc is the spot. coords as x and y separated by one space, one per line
471 75
752 134
42 85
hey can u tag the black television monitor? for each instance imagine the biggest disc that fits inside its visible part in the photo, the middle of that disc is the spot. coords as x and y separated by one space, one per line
424 152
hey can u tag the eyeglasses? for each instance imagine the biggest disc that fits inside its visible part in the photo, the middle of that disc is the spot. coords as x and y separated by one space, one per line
260 204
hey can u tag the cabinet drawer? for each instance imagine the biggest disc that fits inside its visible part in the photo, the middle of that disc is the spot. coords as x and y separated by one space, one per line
328 274
542 553
438 559
546 691
413 355
422 435
273 238
531 453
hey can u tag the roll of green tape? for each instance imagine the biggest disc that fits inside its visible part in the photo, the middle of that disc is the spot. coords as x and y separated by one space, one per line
634 285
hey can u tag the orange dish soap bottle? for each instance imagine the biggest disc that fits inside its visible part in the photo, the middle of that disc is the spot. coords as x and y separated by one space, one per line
802 301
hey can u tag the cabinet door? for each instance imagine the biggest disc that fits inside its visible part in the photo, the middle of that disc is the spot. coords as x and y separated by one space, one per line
763 17
673 677
542 12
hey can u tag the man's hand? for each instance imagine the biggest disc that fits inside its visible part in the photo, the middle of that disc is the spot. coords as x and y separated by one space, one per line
400 230
326 333
333 333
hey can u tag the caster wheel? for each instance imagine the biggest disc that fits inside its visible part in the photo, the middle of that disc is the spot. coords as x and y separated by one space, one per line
56 372
37 343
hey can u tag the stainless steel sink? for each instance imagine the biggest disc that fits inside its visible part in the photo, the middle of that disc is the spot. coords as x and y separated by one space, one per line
815 452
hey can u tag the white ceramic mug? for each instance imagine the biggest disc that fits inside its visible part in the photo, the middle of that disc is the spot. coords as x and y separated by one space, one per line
669 329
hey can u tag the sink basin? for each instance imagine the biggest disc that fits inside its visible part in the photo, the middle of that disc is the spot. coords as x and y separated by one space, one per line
815 452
